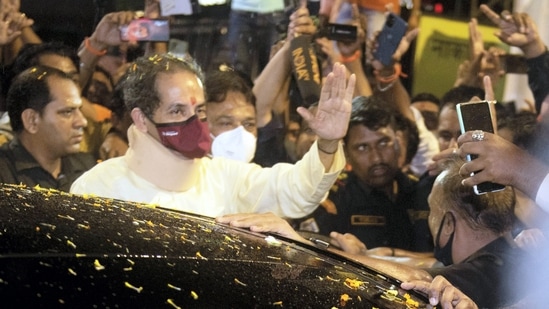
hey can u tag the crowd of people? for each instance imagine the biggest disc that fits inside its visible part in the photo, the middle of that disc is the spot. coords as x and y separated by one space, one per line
385 177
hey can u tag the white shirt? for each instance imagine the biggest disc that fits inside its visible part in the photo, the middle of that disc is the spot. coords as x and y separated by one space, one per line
5 126
542 197
427 148
258 6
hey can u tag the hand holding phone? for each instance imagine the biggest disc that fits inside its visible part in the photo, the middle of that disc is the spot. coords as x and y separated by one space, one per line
478 116
389 38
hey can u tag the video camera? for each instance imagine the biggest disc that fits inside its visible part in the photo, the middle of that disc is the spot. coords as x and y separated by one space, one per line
338 32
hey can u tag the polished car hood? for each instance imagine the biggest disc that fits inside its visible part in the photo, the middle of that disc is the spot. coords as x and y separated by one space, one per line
58 249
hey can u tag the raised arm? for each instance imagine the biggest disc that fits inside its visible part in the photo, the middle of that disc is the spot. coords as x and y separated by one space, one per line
273 81
107 33
15 30
481 62
519 30
351 54
331 119
389 86
7 34
20 21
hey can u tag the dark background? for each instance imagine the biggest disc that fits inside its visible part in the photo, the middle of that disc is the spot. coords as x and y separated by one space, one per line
70 21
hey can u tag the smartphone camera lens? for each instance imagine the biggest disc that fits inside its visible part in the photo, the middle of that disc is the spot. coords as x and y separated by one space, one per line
390 20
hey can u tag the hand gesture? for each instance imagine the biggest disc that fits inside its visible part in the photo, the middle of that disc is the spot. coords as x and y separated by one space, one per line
8 6
476 43
481 62
516 29
19 21
267 222
331 119
12 21
107 32
486 63
441 291
7 35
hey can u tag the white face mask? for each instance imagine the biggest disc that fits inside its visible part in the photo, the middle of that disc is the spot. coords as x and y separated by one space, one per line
237 144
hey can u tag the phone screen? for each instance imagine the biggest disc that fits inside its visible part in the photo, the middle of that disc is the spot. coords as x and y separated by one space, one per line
144 29
478 116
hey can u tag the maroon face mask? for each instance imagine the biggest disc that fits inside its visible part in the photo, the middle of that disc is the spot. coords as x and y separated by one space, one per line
191 137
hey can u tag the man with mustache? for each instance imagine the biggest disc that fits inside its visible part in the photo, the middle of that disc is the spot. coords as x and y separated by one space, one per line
376 201
166 163
44 108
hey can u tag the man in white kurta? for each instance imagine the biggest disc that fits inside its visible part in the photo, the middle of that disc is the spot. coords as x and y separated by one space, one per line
166 164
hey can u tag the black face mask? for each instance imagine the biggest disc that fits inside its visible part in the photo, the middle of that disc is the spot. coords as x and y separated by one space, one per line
444 254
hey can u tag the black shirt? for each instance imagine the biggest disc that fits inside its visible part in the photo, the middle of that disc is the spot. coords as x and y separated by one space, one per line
489 276
18 166
374 218
270 144
538 77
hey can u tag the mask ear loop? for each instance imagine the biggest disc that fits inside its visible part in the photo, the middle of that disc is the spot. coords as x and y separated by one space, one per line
440 230
442 225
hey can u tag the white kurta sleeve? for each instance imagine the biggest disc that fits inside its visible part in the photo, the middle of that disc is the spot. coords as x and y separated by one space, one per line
287 190
542 197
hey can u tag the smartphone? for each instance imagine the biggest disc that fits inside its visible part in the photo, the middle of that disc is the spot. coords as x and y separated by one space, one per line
478 116
144 29
341 33
389 38
515 64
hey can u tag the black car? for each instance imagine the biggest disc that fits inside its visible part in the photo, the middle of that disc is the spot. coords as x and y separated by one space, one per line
63 250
